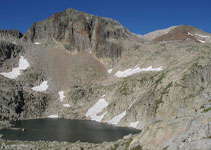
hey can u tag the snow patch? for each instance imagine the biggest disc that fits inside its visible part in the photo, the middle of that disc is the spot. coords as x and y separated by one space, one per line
37 43
131 71
23 65
117 118
109 70
203 36
90 52
134 124
201 41
42 87
66 105
53 116
61 96
190 34
96 109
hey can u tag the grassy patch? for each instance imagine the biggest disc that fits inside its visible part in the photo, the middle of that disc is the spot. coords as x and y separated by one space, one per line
127 144
165 148
124 89
202 107
115 147
143 80
206 110
137 148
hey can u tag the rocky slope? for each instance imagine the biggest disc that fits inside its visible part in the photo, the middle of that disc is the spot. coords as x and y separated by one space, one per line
159 82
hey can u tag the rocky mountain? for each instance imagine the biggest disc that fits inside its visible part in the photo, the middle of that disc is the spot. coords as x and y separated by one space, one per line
184 33
154 34
79 66
81 31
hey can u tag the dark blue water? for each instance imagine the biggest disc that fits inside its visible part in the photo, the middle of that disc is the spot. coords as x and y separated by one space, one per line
65 130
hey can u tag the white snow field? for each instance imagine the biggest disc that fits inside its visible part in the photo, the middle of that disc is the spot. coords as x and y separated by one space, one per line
190 34
201 41
37 43
61 96
203 36
96 109
66 105
117 118
109 70
134 124
42 87
23 65
53 116
131 71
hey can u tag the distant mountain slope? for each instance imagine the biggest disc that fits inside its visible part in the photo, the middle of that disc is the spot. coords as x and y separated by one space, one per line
184 33
154 34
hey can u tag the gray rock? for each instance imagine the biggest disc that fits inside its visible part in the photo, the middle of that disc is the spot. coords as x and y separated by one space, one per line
8 51
80 31
10 35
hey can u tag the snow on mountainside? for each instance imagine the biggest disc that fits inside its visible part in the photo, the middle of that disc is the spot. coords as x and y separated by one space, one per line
154 34
131 71
183 34
23 65
75 58
115 120
42 87
96 109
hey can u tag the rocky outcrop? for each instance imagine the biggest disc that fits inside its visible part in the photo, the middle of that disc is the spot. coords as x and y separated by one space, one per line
9 50
16 103
80 31
122 144
10 35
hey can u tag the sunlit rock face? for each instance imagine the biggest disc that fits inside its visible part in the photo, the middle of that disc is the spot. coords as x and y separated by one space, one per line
81 66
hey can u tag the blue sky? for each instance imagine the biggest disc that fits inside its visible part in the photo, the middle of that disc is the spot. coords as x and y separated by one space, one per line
139 16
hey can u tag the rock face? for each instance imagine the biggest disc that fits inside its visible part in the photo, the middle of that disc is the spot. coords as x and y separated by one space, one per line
164 90
80 31
16 103
8 51
10 35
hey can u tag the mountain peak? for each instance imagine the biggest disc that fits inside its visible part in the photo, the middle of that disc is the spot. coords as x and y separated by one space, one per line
76 30
184 33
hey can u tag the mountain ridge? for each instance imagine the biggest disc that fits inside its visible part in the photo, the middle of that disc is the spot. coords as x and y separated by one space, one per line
151 84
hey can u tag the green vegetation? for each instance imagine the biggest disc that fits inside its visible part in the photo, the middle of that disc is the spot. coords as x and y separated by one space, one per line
160 79
124 90
165 148
127 144
143 80
115 147
206 110
122 145
68 47
165 91
137 148
202 107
